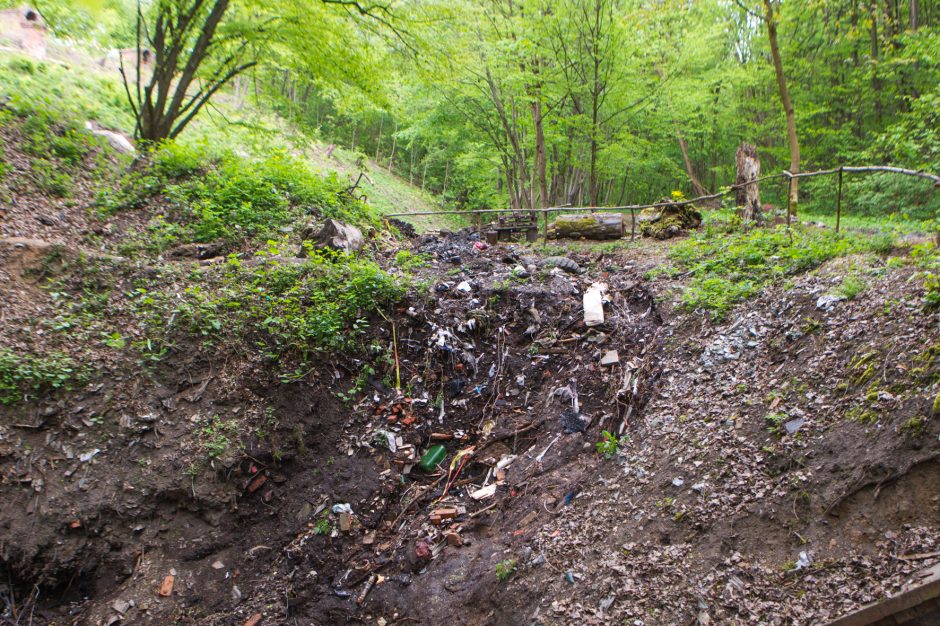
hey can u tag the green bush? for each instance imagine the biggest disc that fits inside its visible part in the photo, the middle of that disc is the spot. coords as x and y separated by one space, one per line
230 198
24 375
289 312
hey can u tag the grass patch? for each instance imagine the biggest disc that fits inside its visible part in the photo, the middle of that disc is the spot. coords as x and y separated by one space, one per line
725 268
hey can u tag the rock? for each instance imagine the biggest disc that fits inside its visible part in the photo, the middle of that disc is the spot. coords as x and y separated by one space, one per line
668 220
794 425
335 235
122 606
825 303
199 251
117 141
562 262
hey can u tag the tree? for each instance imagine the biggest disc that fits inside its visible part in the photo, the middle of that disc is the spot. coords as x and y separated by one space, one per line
189 51
769 17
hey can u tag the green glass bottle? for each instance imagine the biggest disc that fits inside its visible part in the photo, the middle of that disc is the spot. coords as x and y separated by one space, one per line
432 458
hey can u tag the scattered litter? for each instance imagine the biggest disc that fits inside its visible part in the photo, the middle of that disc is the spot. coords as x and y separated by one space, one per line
794 425
803 562
610 358
677 482
122 606
485 492
342 508
594 304
562 262
572 422
433 457
89 455
464 287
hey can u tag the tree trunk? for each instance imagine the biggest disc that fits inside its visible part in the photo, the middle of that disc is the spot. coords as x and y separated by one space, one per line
597 226
540 151
771 22
696 185
747 198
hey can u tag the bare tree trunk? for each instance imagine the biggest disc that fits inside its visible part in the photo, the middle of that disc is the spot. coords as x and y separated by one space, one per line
540 152
771 23
391 157
747 198
696 185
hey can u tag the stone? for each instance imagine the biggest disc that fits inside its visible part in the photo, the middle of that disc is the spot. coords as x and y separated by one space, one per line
336 235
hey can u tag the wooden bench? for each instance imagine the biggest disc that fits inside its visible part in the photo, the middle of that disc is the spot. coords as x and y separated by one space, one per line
510 224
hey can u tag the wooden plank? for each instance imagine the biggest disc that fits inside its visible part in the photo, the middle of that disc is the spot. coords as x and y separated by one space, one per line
924 592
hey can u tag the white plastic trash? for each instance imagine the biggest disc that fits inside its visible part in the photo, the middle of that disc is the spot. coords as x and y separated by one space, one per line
594 304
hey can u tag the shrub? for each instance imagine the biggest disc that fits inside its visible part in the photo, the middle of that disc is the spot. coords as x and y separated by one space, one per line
230 198
23 375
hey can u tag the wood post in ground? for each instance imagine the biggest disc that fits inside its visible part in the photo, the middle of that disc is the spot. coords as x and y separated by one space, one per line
839 202
746 193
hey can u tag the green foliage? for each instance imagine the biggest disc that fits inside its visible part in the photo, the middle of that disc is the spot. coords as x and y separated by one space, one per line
216 435
505 569
727 268
850 287
775 423
407 261
225 197
290 312
50 179
609 445
23 376
323 526
75 94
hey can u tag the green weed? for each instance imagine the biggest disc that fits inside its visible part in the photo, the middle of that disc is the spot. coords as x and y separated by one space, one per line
505 569
609 444
23 376
725 268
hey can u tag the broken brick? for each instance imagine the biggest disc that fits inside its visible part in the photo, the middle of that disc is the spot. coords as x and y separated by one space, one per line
446 513
256 484
166 587
453 539
345 521
254 620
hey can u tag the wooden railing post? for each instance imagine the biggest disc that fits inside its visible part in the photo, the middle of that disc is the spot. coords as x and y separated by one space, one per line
839 202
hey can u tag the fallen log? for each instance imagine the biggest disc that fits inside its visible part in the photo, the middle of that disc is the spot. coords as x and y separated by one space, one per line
595 226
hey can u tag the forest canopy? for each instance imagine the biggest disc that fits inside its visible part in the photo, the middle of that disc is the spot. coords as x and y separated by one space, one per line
530 103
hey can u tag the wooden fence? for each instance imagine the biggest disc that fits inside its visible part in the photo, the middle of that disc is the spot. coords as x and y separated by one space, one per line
633 208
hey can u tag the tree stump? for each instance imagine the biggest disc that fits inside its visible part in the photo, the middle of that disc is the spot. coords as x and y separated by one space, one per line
747 198
597 226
